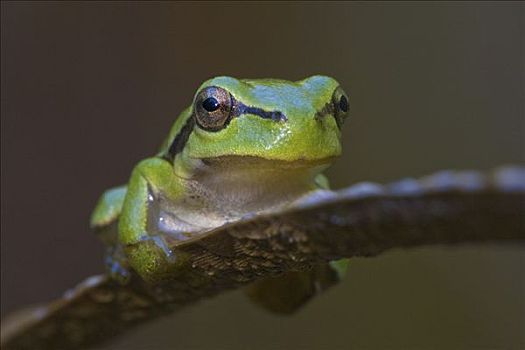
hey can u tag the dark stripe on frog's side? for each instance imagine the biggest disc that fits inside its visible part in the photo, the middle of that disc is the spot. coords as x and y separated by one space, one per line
180 140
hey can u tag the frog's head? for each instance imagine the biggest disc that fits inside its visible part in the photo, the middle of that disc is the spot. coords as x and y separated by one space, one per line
267 119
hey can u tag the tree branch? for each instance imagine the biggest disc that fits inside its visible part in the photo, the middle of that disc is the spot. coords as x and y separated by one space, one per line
363 220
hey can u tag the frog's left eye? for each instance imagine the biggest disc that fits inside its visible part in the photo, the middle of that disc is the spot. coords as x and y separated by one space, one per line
341 106
213 107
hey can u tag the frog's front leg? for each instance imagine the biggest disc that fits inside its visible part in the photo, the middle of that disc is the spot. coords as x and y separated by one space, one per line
145 246
104 221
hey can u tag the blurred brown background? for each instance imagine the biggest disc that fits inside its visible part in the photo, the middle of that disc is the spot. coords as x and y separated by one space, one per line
88 89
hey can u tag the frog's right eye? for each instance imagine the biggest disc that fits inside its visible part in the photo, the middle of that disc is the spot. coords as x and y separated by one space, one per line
212 108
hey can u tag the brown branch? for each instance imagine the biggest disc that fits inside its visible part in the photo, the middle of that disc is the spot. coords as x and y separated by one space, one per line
363 220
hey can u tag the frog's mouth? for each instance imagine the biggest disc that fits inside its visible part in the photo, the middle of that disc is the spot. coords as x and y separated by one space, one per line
252 162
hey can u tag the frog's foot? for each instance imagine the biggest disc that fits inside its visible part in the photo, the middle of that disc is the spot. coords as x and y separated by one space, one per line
154 258
162 244
286 293
116 265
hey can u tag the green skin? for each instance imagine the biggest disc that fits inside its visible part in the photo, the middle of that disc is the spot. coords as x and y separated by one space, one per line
202 178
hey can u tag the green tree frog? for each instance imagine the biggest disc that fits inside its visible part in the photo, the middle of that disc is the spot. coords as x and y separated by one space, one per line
244 147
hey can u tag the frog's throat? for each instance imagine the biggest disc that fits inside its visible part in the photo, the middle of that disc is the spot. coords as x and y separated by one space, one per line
246 180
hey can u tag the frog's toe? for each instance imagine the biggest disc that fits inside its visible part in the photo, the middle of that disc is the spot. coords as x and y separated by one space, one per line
117 270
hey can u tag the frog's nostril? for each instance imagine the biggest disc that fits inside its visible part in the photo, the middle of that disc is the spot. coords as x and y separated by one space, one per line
328 110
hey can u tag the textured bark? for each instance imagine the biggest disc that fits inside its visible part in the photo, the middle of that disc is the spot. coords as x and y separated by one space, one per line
363 220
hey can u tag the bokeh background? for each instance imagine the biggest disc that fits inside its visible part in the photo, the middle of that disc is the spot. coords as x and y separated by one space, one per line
88 89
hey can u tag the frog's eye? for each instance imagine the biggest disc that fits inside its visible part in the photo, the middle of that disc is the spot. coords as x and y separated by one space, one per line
213 107
341 106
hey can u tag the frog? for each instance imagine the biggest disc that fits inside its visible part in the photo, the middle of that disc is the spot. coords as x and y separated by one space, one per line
244 147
